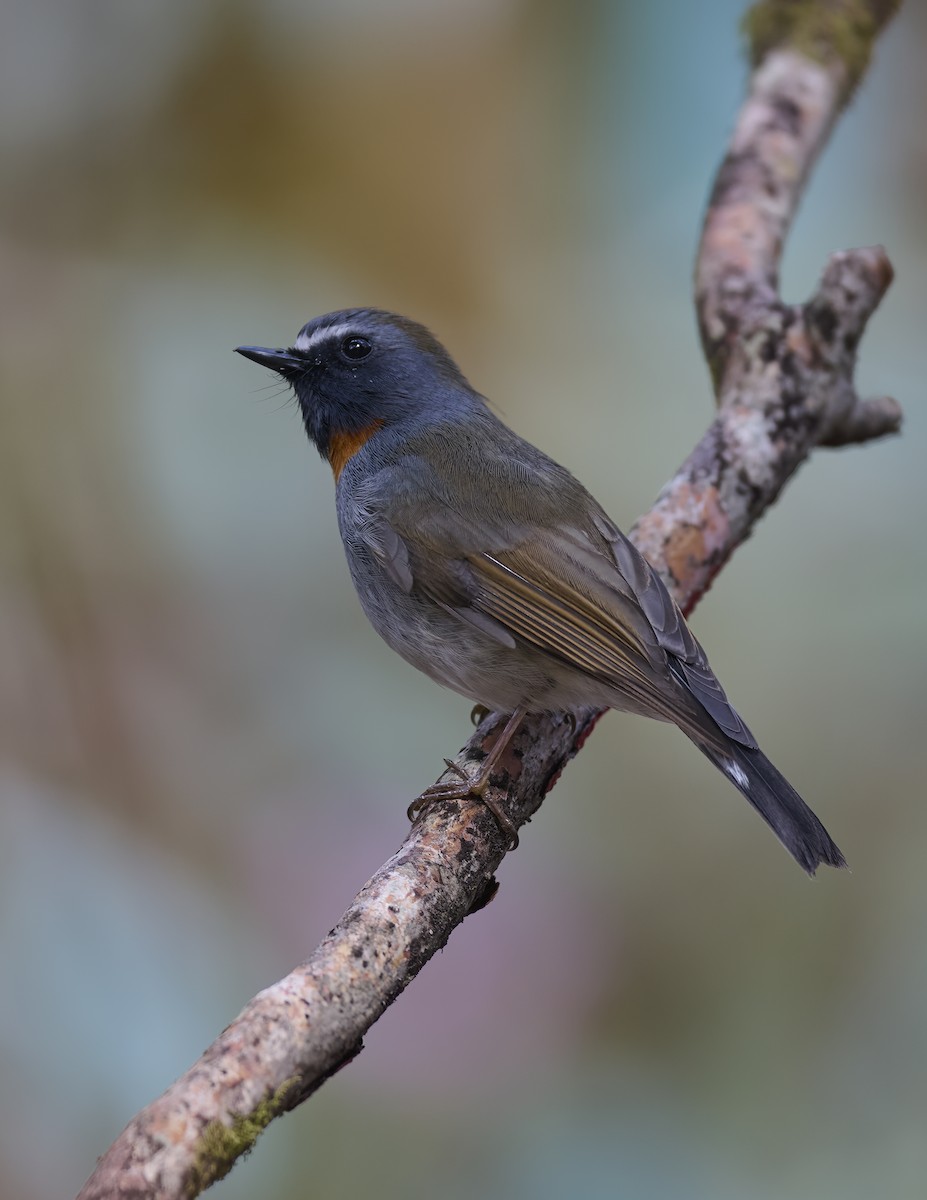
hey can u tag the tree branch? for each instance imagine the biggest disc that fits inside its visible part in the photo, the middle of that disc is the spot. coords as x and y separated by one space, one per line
784 381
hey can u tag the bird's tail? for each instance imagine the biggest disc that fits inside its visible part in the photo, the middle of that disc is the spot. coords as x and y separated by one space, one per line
777 802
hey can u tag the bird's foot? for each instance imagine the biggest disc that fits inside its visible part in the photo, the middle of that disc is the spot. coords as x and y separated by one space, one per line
464 787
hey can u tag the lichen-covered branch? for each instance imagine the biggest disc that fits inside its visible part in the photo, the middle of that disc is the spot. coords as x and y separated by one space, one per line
786 387
784 381
838 34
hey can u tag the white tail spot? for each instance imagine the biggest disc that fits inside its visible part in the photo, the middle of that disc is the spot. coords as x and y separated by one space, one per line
736 772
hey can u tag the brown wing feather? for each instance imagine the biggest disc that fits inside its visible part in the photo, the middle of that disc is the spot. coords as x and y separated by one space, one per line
555 612
607 614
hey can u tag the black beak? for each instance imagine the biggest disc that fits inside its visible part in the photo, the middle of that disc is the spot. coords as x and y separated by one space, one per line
284 362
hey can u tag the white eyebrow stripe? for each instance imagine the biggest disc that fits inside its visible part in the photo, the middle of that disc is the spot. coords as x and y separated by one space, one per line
330 333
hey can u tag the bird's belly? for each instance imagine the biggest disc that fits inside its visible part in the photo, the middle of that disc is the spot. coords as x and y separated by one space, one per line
467 660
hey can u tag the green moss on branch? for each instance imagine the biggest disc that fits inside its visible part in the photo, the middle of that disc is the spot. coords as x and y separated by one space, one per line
828 31
220 1144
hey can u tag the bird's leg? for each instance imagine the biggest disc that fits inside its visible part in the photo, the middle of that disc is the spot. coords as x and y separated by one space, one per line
460 790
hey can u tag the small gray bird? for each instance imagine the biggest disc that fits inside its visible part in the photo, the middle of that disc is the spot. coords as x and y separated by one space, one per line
489 567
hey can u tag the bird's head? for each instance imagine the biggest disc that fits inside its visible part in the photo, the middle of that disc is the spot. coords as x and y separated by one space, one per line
360 370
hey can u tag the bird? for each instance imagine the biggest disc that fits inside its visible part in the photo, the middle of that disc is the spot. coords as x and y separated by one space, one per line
489 567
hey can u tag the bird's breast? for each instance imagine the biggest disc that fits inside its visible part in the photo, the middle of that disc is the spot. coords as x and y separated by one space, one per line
342 446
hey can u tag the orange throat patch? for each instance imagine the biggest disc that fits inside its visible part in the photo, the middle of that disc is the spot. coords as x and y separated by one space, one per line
343 446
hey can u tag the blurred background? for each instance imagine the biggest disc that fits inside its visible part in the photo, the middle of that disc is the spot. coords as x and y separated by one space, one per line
206 751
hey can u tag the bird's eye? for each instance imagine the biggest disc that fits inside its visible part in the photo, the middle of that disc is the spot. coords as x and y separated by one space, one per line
355 348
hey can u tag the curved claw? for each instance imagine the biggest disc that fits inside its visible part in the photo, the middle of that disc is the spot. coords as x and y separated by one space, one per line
443 791
457 769
475 787
462 791
478 714
502 820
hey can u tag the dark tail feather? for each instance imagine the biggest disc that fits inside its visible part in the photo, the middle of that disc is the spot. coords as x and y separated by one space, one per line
777 802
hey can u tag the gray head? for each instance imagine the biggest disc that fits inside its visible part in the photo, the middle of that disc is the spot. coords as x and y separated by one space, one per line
362 369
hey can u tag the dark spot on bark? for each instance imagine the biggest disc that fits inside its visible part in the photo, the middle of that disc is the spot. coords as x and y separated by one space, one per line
357 951
850 342
465 852
716 559
824 320
787 115
769 347
728 176
485 895
746 487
